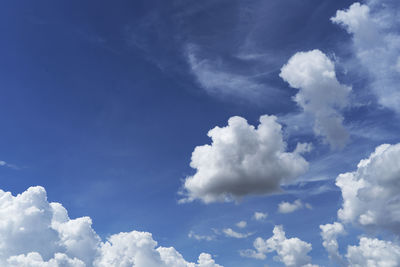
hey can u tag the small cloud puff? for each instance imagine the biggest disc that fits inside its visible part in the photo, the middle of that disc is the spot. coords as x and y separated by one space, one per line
201 237
287 207
241 224
231 233
259 216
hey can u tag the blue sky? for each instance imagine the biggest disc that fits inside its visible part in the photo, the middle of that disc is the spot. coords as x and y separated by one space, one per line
104 103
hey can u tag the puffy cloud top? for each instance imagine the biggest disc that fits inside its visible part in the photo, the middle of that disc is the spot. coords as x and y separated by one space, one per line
320 93
242 160
291 251
371 193
329 233
373 252
34 232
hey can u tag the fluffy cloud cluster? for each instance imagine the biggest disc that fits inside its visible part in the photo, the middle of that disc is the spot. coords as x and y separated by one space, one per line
242 160
320 94
370 200
373 252
290 251
376 42
34 232
371 193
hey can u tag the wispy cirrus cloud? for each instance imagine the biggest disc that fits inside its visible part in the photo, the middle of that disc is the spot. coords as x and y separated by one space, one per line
220 79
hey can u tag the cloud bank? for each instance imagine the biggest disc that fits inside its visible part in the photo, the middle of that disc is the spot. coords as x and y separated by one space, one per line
242 160
320 93
34 232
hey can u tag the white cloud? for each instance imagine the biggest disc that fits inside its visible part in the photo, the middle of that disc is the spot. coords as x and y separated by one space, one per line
34 232
372 253
320 94
231 233
371 193
329 233
290 251
200 237
259 216
217 79
376 43
287 207
241 224
242 160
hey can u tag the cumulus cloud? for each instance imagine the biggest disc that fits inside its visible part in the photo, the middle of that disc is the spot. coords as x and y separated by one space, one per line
320 93
370 252
287 207
292 252
259 216
373 252
329 233
34 232
231 233
242 160
371 193
376 43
